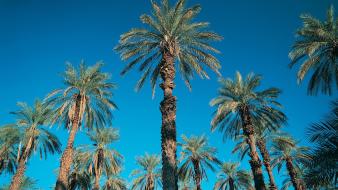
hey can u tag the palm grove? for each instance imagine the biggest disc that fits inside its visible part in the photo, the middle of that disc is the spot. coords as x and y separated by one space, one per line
172 41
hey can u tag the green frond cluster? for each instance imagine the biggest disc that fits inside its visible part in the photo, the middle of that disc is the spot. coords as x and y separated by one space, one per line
170 29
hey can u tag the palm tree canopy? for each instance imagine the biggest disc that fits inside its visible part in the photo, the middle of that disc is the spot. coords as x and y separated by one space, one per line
31 121
170 29
115 183
284 147
149 170
78 178
102 158
317 46
9 140
196 148
238 93
230 172
93 87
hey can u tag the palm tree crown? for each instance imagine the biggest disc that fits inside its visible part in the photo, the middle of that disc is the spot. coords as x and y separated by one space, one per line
170 30
9 141
148 176
232 178
318 47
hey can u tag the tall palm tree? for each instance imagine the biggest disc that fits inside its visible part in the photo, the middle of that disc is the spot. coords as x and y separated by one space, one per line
35 138
232 178
285 150
322 170
317 45
196 156
148 176
115 183
102 159
9 141
26 184
170 40
239 106
86 100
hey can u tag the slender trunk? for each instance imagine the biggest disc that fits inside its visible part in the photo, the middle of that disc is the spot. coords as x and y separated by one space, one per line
150 184
67 157
255 162
231 184
292 173
198 175
97 182
168 129
266 161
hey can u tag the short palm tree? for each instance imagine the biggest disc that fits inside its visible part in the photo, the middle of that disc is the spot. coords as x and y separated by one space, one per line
148 176
232 178
115 183
79 178
26 184
317 45
9 140
285 151
186 183
35 138
86 100
239 106
322 169
102 159
170 40
196 156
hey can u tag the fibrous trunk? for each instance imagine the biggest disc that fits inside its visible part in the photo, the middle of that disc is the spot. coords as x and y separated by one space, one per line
198 175
266 161
67 157
293 174
168 129
150 184
255 162
17 178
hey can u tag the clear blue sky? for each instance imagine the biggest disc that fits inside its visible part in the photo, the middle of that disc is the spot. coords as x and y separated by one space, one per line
38 36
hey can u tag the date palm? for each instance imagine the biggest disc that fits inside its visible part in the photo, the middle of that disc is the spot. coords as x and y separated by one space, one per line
115 183
286 151
85 101
196 156
148 176
232 178
9 141
239 106
79 178
171 40
35 138
317 46
322 169
102 159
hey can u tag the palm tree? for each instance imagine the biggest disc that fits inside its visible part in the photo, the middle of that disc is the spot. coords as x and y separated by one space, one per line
285 150
232 178
26 184
196 156
171 37
148 176
318 47
86 100
321 170
35 138
239 106
115 183
102 158
186 183
79 178
9 141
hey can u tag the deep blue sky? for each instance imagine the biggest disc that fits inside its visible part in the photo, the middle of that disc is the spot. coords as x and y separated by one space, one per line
37 37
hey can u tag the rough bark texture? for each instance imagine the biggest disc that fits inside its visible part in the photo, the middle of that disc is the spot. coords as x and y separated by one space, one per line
168 129
293 174
67 157
150 184
17 178
266 161
198 175
255 162
97 182
231 184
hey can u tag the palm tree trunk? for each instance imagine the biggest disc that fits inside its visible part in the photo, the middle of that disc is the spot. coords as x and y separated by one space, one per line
255 162
293 174
168 129
17 178
231 184
67 157
198 175
97 182
150 184
266 161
